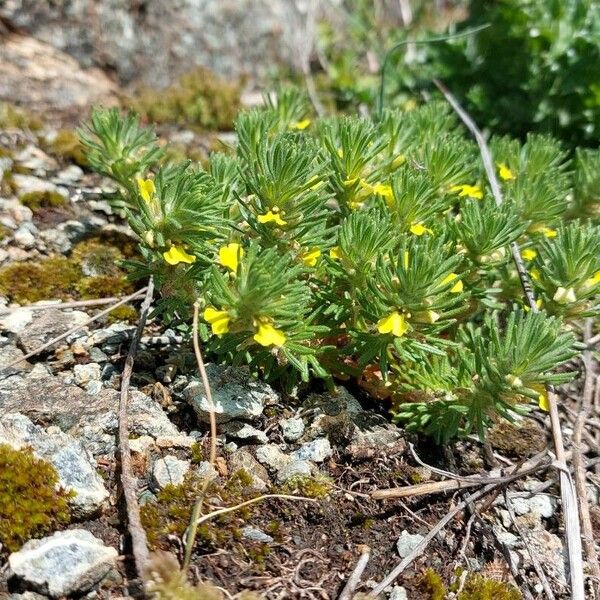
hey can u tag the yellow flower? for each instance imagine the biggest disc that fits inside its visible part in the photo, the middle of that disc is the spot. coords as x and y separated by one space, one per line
272 216
218 319
229 256
310 257
528 254
543 402
300 125
564 295
176 255
394 323
419 229
146 188
457 288
398 161
539 303
534 274
505 173
335 253
548 232
267 335
381 189
470 191
427 316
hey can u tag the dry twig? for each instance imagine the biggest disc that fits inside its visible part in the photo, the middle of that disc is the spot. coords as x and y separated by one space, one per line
567 488
138 535
48 304
354 579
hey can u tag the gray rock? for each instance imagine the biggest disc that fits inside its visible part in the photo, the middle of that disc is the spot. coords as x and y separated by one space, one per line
68 562
206 471
506 537
56 239
17 212
407 542
256 535
69 175
398 593
542 504
169 470
296 468
236 395
116 333
292 429
316 451
376 436
28 183
67 455
24 237
272 457
83 374
243 460
36 328
245 432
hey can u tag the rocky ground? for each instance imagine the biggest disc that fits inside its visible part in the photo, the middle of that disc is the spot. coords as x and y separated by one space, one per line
335 447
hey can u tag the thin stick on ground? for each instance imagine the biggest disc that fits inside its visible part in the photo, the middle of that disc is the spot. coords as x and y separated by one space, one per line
579 462
567 488
354 579
139 541
193 528
77 328
48 304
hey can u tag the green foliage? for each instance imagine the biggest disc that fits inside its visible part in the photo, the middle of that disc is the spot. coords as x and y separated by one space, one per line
198 99
535 68
31 504
344 246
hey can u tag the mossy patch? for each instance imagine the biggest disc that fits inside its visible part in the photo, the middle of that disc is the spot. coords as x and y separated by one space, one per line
67 147
171 512
47 199
319 486
31 505
475 587
198 99
125 312
102 286
520 440
14 117
51 278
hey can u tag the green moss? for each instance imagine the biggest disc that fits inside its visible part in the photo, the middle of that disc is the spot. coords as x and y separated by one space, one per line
478 587
4 232
47 199
197 453
14 117
51 278
103 286
432 584
171 512
198 99
66 146
30 503
521 440
318 486
125 312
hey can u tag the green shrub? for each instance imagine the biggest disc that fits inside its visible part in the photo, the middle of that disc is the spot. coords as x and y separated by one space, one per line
344 246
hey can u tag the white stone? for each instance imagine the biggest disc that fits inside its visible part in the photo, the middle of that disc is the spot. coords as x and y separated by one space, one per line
169 470
317 451
407 542
292 429
68 562
296 468
272 457
83 374
398 593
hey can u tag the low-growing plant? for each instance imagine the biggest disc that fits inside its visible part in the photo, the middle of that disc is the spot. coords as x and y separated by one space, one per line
345 246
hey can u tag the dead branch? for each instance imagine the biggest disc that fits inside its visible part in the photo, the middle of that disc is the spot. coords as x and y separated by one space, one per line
48 304
579 462
354 579
77 328
567 488
128 481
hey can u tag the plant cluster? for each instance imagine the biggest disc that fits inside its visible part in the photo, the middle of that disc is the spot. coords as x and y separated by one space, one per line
31 504
347 247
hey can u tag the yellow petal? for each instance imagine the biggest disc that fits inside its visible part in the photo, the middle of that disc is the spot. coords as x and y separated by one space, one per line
427 316
335 253
267 335
300 125
218 319
229 256
534 274
383 189
395 323
176 255
564 295
146 188
457 288
548 232
470 191
592 281
419 229
273 217
310 257
505 173
543 402
528 254
539 303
